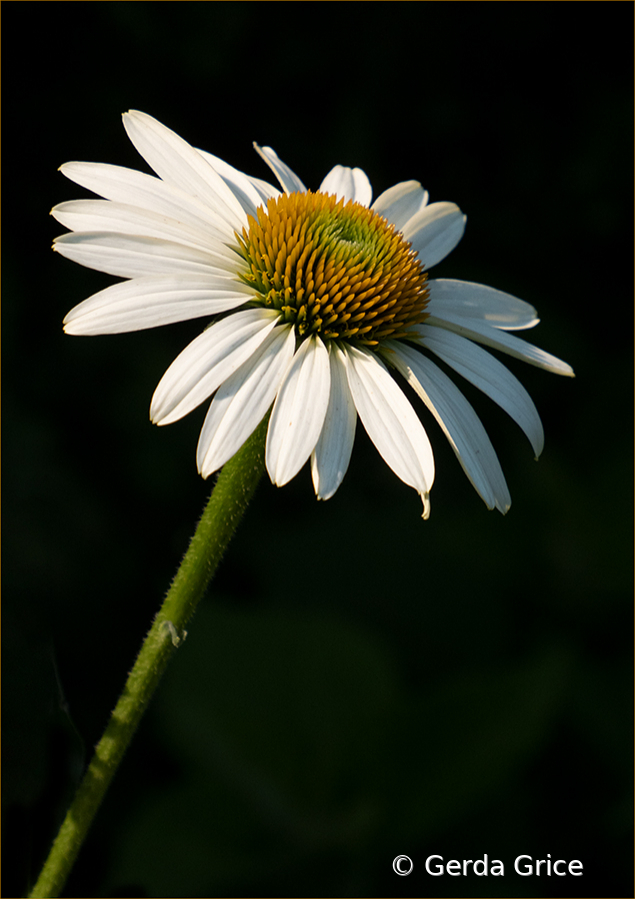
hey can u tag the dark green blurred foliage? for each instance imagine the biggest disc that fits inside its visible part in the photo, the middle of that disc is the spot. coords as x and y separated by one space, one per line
358 683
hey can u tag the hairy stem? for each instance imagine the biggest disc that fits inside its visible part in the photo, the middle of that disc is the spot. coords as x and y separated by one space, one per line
229 499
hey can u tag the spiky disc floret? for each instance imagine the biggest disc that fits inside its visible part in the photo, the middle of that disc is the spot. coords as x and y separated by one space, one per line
334 268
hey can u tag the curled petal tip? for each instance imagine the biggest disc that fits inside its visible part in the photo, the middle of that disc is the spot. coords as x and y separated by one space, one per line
155 418
425 497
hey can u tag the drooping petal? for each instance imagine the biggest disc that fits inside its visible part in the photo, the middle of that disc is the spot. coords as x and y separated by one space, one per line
390 421
401 202
488 374
242 400
133 256
482 332
351 184
207 361
298 412
177 162
106 215
459 422
288 179
332 453
144 191
153 301
435 231
478 302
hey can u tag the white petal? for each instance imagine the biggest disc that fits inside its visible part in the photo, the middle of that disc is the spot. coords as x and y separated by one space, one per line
137 189
478 302
105 215
390 421
500 340
332 453
265 189
298 412
250 192
401 202
242 400
489 375
207 361
154 300
459 422
178 163
132 256
288 179
435 231
351 184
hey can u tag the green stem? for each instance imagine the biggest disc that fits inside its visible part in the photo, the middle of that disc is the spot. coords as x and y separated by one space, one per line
233 490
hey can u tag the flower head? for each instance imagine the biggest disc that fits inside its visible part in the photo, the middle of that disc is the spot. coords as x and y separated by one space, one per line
314 296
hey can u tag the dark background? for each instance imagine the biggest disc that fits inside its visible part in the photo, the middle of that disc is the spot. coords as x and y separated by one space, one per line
358 684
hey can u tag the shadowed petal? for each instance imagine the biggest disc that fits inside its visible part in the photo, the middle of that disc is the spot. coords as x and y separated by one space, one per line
500 340
288 179
250 192
478 302
435 231
459 422
488 374
400 203
351 184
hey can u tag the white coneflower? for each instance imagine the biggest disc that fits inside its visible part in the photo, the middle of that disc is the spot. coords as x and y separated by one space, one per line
316 296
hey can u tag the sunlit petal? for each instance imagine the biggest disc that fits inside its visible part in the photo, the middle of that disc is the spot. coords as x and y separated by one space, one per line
153 301
332 453
243 399
178 163
298 412
390 421
207 361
